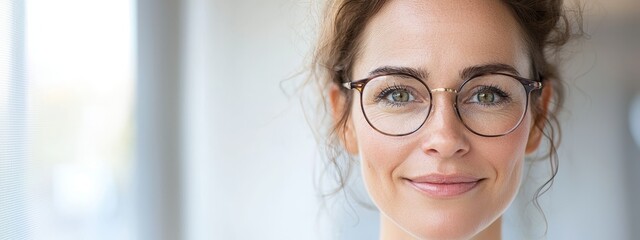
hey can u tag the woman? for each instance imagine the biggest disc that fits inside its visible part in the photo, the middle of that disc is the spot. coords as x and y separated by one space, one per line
440 101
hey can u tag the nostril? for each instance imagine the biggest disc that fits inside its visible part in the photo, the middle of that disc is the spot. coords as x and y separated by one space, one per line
431 151
445 137
461 151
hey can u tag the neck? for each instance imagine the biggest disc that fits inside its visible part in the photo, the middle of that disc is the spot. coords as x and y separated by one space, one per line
494 231
390 231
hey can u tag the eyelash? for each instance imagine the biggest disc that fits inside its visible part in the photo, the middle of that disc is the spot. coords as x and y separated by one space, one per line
381 97
496 90
386 91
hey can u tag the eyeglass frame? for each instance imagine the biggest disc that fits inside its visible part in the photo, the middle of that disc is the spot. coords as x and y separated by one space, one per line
528 84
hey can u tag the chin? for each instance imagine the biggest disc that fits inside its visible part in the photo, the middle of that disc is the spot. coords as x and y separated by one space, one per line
439 222
449 230
447 234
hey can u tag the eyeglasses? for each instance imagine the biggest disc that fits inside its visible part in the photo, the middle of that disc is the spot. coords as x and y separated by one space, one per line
490 104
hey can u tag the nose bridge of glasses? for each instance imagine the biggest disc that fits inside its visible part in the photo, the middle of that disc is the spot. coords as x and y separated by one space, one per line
451 90
447 90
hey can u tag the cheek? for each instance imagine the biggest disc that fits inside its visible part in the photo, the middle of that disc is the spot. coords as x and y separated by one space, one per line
380 156
506 157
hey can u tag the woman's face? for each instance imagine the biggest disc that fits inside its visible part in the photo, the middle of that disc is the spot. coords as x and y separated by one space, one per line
404 175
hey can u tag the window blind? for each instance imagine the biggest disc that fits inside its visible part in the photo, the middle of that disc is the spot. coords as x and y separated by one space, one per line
13 154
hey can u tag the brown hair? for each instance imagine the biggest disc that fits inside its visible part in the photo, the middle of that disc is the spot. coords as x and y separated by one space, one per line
546 26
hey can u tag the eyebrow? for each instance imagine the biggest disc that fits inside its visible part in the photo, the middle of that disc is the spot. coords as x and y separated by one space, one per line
473 71
466 73
419 73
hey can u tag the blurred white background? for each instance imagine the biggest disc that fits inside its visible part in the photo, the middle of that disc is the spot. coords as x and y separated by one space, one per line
165 119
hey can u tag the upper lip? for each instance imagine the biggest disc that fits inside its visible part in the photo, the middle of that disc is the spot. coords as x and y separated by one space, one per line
445 178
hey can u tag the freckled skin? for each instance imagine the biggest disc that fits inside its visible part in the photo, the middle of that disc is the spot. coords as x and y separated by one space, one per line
442 37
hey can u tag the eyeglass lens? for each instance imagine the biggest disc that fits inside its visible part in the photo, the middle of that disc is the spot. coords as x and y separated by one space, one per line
488 105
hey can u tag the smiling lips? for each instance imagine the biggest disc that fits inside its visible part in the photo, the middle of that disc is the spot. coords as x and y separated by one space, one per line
444 186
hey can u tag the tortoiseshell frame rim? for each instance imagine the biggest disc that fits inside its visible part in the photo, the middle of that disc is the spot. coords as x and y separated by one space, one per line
528 84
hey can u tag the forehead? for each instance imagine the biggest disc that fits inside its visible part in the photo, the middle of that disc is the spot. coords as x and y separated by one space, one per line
441 37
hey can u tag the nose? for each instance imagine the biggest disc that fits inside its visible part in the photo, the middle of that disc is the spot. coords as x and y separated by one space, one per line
443 135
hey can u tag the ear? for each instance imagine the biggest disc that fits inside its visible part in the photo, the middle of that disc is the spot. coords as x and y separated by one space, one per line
347 135
535 134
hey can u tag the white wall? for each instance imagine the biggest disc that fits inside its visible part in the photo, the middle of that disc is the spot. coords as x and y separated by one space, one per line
593 191
248 151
